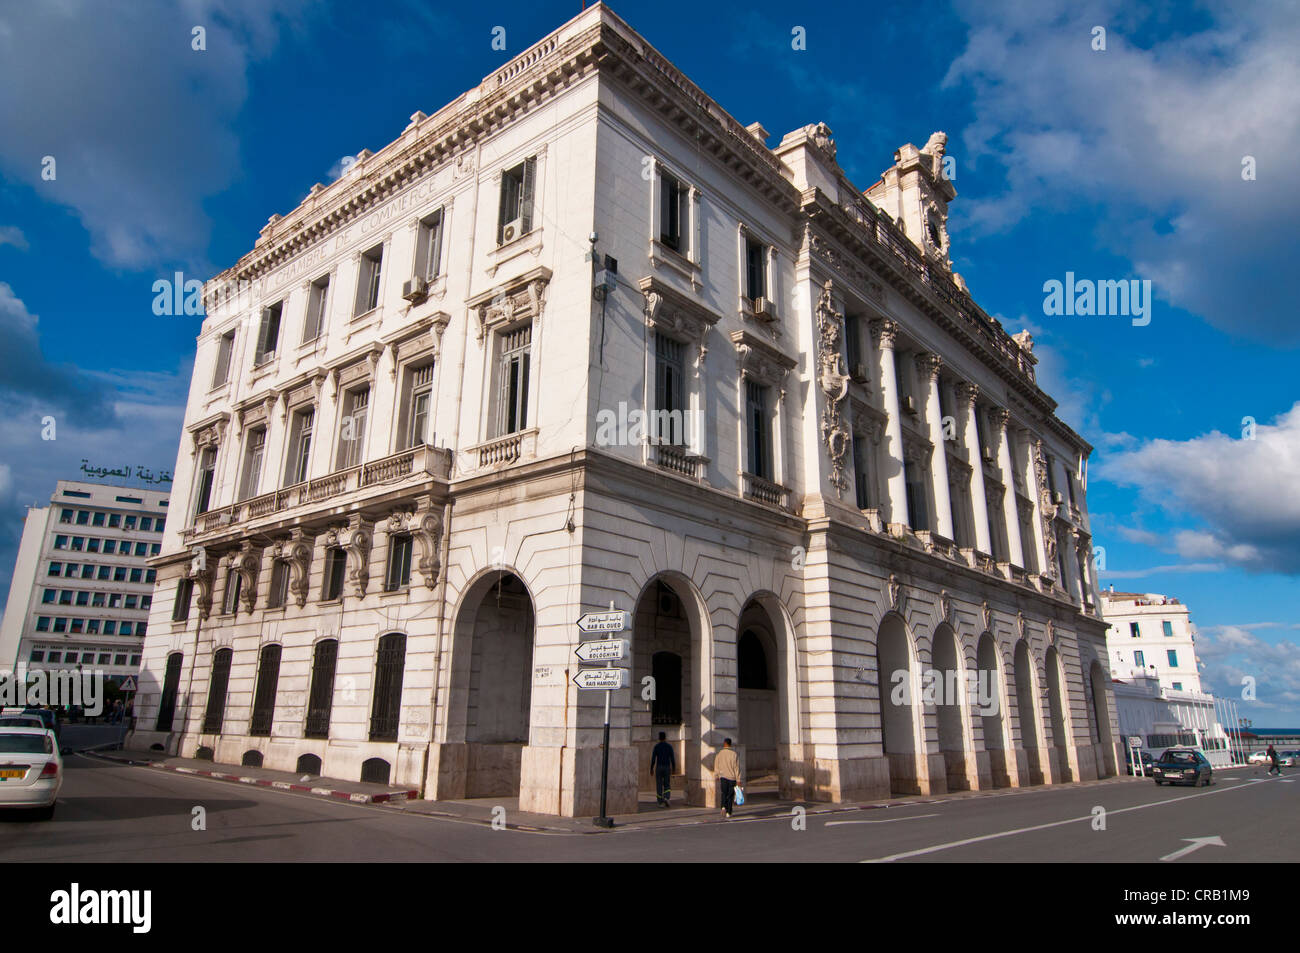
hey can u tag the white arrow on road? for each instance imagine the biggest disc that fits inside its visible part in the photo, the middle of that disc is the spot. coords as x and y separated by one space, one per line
1195 843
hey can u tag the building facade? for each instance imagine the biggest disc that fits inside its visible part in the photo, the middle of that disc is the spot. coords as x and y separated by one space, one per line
1151 634
82 586
578 340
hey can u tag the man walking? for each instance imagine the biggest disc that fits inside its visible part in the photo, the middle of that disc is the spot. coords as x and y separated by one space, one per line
727 767
663 761
1275 768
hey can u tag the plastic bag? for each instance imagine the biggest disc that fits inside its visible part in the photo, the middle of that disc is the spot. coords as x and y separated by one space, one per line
740 796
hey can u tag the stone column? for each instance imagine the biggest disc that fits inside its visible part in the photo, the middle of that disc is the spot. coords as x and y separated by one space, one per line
883 332
1010 512
1030 475
929 365
967 394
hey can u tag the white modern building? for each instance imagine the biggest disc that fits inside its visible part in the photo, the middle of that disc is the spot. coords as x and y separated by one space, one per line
580 339
82 585
1151 634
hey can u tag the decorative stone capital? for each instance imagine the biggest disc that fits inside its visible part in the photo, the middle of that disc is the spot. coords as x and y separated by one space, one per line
929 365
967 393
883 333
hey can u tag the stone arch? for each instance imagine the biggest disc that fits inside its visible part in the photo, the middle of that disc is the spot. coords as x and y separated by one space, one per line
489 701
670 635
947 689
1027 712
1059 714
1106 764
768 724
898 682
992 706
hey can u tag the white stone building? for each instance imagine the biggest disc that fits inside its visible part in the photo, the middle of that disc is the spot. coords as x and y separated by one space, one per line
82 585
1151 634
1164 717
416 451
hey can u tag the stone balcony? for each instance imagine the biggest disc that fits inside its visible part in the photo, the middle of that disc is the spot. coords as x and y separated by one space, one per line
765 491
356 486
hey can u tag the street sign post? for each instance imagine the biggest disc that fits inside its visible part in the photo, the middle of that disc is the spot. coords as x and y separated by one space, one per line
606 650
608 679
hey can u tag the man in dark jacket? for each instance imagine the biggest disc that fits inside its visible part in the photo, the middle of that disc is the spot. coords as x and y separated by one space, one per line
663 760
1273 760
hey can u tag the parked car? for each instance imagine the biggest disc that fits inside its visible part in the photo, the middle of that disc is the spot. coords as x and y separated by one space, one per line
47 717
1259 757
1183 766
1147 762
21 721
31 770
1288 759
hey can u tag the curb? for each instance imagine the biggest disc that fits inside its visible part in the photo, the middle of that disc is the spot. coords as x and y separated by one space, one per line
288 786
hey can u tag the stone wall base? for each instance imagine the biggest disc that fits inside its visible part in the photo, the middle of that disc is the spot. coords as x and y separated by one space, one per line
566 781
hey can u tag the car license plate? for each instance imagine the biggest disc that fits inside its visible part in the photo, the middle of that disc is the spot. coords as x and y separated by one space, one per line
9 773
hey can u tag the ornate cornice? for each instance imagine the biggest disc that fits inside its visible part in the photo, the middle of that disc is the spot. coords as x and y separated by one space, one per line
520 299
759 360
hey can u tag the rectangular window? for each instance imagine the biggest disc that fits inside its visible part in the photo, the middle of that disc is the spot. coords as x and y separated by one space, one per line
136 575
1178 686
862 471
110 547
78 543
77 626
755 270
1168 628
97 600
60 542
299 456
1133 630
115 520
352 427
124 629
320 699
203 485
368 280
42 625
146 524
225 345
87 571
104 657
268 335
336 560
130 601
399 563
268 677
674 212
1139 658
50 595
279 594
512 380
215 712
141 549
155 549
66 516
98 519
130 522
55 569
60 625
254 451
914 484
418 404
55 656
317 303
92 545
140 628
115 599
146 602
428 247
1173 657
760 431
670 391
65 597
387 704
104 573
70 570
515 214
230 604
83 598
150 575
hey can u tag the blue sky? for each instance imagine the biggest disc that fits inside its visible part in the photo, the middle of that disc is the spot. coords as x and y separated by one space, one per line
1119 163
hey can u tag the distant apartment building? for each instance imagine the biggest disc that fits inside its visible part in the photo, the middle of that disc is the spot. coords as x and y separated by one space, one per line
82 587
1151 634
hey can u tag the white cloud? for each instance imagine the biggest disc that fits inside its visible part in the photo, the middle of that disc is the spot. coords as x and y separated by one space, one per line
139 123
1149 142
1232 653
1243 491
13 235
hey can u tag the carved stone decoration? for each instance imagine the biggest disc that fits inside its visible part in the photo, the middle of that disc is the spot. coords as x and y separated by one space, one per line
760 361
677 315
297 551
1020 624
1051 631
247 562
987 614
883 332
357 543
1025 340
822 138
999 416
1048 512
945 606
896 595
522 299
203 579
427 530
834 383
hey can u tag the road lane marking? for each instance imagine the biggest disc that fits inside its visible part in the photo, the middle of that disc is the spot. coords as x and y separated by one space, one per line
1195 843
890 820
1042 827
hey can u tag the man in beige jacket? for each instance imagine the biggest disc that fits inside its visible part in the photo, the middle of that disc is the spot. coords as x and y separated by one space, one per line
727 767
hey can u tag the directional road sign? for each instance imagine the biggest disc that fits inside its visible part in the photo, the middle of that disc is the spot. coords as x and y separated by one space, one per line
608 650
614 620
604 679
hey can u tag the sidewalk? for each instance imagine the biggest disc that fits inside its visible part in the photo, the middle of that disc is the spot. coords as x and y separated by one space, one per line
762 801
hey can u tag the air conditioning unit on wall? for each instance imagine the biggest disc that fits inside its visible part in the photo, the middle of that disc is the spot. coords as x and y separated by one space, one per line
415 289
512 230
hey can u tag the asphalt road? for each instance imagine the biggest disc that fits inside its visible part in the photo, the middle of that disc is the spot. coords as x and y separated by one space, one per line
112 813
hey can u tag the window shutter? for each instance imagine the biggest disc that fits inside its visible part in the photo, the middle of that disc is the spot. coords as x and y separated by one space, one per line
526 199
435 261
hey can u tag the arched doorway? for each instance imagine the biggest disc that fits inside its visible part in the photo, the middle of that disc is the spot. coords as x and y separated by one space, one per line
898 686
991 705
1026 709
1101 712
1058 715
666 646
494 635
949 695
758 717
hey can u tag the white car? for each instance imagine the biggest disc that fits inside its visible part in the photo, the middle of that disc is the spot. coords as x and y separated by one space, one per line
31 770
1259 757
